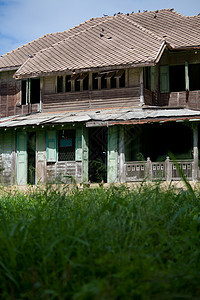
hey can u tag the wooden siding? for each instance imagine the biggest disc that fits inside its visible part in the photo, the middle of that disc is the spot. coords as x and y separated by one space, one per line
7 158
10 95
189 99
92 99
179 58
64 172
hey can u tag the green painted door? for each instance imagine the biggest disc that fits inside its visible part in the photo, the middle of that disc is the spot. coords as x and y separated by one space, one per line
164 79
21 158
112 154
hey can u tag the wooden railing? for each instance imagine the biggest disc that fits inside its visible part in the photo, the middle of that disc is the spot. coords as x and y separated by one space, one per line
166 170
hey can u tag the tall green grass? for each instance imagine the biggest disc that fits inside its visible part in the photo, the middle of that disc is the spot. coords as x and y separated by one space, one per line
100 243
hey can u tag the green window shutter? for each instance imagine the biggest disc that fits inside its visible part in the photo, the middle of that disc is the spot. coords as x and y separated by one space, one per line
51 146
153 86
85 155
78 152
21 158
164 79
112 154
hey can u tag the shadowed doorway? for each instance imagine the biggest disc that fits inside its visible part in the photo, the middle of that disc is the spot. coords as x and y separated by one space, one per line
98 154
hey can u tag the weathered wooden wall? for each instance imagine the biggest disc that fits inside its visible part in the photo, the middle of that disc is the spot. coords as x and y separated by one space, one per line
179 58
64 172
189 99
103 98
92 99
10 94
7 157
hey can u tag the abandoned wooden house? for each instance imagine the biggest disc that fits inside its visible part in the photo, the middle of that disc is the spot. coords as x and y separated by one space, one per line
109 100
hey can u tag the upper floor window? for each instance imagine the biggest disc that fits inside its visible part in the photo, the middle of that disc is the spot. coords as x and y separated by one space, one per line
30 91
177 78
68 86
194 77
24 92
81 82
59 84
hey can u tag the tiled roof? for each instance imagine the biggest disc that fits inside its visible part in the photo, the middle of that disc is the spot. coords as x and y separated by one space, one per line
112 42
17 57
132 39
176 29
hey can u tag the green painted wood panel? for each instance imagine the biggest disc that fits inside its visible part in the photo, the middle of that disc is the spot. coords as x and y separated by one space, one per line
164 79
40 157
51 146
21 158
153 86
112 154
85 154
78 153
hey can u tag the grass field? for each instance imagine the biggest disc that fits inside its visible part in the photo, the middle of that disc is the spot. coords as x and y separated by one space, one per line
100 243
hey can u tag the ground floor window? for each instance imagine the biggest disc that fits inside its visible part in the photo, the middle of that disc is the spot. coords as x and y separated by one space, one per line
158 141
66 145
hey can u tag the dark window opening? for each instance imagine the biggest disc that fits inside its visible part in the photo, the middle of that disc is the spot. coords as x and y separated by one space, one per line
194 77
59 84
122 80
147 79
77 85
158 141
94 81
24 92
68 83
35 91
177 78
66 145
103 82
86 83
113 83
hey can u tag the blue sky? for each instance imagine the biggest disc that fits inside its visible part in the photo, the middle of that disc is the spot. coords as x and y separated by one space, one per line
22 21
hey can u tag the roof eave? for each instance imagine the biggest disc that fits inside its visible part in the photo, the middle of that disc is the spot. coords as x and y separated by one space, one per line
82 70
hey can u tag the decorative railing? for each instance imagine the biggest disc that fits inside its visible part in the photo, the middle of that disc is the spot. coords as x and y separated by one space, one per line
166 170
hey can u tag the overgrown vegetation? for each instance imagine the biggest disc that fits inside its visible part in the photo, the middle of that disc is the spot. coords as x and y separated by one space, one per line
100 243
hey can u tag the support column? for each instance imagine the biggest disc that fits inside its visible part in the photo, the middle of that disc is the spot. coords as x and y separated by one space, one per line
40 157
112 154
186 77
121 155
141 87
195 152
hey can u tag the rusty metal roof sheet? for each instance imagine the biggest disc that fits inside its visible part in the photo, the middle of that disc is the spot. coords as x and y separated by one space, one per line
103 117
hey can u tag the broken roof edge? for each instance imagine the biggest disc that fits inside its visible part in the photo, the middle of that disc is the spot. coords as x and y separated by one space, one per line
6 69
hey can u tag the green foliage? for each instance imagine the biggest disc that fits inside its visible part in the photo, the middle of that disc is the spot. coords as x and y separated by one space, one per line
100 243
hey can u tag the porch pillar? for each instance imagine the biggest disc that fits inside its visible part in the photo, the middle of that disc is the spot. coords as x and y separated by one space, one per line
141 86
195 151
186 77
112 154
121 155
40 157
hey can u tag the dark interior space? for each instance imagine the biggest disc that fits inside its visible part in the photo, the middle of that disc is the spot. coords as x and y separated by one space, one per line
24 92
177 78
194 77
157 141
68 83
31 141
35 91
98 154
